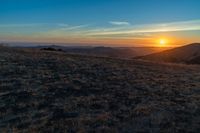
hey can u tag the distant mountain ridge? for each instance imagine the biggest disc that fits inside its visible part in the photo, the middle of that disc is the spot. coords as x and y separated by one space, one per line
118 52
189 54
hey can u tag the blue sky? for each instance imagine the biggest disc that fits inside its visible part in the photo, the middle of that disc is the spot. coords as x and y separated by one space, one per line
98 21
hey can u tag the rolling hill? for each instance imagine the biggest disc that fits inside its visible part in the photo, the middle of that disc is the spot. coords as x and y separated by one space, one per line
186 54
52 91
114 52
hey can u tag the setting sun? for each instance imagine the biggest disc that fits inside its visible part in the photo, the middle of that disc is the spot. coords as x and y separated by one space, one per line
162 42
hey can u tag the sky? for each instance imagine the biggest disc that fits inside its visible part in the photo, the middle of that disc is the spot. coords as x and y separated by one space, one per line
100 22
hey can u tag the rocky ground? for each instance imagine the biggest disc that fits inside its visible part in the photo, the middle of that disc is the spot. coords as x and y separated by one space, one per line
48 91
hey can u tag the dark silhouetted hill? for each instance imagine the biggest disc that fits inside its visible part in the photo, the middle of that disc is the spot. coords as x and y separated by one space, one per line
185 54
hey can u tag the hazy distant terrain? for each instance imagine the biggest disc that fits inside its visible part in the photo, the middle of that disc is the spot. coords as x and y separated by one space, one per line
50 91
115 52
189 54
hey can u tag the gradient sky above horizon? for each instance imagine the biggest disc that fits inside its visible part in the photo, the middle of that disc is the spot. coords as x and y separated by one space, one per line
100 22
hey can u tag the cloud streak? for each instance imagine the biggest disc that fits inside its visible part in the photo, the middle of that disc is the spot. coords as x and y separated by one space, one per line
119 23
121 30
77 27
22 25
152 28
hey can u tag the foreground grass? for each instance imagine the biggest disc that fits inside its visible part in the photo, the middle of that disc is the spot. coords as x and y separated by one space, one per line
43 91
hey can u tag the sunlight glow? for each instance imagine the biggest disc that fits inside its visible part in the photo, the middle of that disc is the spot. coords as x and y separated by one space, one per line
162 42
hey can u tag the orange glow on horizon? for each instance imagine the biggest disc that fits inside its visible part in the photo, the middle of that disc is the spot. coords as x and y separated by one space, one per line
155 41
162 42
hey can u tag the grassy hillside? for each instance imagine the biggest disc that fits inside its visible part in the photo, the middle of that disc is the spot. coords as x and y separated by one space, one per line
185 54
48 91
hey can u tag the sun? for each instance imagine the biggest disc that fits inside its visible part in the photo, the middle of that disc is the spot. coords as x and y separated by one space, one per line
162 42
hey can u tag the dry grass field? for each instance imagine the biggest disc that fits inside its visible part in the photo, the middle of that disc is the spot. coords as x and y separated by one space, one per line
49 91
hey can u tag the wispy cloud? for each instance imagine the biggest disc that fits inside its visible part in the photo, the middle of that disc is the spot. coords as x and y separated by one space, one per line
119 23
67 27
122 30
22 25
62 25
151 28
